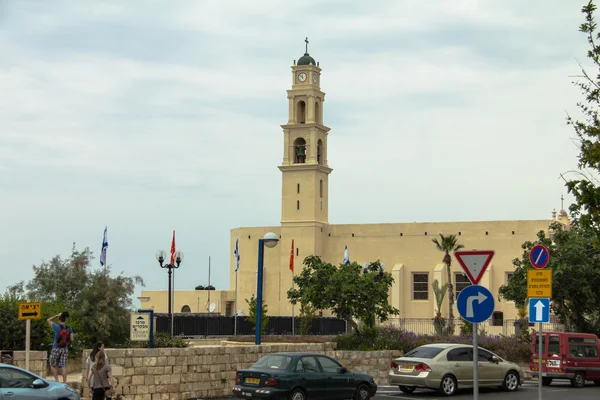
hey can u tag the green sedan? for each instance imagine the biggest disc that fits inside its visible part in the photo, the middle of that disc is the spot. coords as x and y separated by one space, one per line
302 376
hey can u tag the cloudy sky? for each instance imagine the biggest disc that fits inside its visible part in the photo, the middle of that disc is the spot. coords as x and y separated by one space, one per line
161 116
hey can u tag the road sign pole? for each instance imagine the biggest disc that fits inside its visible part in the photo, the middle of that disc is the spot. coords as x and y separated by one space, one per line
475 362
540 351
27 342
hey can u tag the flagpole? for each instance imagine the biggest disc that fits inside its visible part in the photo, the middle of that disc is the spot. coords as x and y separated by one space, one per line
293 320
236 304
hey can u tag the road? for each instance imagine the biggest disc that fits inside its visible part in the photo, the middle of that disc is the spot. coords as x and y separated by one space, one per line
558 391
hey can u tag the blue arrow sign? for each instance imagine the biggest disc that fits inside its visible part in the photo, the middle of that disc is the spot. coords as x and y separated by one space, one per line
475 303
539 310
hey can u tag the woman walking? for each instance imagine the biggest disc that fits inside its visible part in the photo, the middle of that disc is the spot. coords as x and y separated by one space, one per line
100 377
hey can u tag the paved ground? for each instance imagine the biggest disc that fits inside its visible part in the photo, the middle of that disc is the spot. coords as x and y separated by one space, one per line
558 391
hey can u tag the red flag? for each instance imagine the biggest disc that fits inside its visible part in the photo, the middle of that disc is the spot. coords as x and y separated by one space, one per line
292 257
173 249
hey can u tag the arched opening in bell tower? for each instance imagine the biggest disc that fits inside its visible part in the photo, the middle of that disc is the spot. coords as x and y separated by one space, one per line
299 151
320 152
318 113
301 112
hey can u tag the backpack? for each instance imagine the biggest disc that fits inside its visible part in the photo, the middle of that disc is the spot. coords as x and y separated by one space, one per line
64 336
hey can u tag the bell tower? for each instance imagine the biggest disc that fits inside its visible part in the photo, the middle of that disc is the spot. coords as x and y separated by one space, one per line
305 173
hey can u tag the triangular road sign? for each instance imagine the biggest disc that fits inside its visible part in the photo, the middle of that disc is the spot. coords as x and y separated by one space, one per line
474 263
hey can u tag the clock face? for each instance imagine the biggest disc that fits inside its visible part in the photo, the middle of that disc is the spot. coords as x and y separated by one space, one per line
301 76
314 77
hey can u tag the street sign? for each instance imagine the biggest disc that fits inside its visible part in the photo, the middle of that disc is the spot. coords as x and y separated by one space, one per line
539 283
474 263
140 327
475 303
539 310
539 256
31 310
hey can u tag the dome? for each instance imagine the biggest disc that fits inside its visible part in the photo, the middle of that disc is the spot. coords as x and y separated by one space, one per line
306 59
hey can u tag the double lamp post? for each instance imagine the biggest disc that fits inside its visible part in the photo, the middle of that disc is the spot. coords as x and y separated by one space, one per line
161 257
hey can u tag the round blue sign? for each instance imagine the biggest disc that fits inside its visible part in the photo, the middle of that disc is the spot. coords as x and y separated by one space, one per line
539 256
475 303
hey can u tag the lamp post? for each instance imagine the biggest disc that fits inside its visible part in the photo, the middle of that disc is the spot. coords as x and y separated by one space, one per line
160 257
270 240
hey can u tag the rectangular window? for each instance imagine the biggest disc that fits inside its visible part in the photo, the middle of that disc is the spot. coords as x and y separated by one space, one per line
321 188
420 286
297 204
460 282
508 276
298 188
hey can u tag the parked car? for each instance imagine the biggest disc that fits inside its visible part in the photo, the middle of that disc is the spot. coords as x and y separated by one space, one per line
302 376
567 355
18 383
448 367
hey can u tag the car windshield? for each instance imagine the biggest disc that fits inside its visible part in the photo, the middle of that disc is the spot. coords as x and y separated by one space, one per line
424 352
273 361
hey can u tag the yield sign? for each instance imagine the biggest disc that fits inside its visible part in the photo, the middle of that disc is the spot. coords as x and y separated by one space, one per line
474 263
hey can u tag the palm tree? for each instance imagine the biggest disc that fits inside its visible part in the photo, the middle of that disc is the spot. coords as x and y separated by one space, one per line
440 293
448 244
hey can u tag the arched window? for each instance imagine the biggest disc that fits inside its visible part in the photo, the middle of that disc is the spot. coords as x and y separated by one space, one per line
317 112
299 151
301 112
321 188
186 309
320 151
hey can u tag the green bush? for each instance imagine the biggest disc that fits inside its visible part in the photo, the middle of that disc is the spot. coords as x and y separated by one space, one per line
161 340
514 349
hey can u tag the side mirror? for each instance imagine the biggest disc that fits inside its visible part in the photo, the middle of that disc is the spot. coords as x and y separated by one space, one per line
496 359
38 383
343 370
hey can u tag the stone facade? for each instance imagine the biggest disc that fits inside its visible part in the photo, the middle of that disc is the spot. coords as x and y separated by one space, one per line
38 361
209 372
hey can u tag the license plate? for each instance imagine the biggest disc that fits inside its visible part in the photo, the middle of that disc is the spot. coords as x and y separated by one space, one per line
254 381
407 368
247 394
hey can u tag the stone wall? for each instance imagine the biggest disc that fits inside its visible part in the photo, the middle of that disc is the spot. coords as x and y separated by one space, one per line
38 361
209 372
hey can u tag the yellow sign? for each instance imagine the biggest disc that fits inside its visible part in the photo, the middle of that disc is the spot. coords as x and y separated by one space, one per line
140 327
30 310
539 283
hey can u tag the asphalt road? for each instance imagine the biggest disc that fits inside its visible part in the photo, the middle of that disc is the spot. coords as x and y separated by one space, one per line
529 391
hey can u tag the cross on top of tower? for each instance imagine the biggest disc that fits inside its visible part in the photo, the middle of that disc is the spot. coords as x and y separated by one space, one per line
306 41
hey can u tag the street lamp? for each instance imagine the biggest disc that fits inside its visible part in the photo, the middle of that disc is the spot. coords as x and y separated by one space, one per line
270 240
160 257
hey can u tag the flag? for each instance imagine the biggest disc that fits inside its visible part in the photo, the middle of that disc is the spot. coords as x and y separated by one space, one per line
236 253
104 247
173 249
346 257
292 257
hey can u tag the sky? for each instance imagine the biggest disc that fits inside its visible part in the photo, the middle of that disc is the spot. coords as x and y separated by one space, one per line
166 116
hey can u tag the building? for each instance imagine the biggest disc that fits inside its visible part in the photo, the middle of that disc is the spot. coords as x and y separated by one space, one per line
405 249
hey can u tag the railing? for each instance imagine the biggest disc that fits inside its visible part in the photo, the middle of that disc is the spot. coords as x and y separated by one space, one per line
202 325
509 327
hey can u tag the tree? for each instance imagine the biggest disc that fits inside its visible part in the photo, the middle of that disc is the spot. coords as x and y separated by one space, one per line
307 314
252 315
448 244
574 261
585 188
346 290
439 323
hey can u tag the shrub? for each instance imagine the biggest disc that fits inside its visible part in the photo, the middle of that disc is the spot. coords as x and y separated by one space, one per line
390 338
161 340
283 339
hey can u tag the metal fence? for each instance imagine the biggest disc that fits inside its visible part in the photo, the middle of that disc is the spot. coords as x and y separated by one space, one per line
508 327
202 325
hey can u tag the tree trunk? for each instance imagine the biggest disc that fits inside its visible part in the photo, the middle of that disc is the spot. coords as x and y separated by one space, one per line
450 301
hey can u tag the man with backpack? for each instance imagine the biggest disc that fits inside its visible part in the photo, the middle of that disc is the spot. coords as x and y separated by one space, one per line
63 336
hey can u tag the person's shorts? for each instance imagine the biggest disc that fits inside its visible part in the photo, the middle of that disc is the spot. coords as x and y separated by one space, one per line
59 357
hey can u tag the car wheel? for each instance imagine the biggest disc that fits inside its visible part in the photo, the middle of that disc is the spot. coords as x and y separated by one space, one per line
597 383
546 381
297 394
578 380
448 385
362 392
511 381
407 389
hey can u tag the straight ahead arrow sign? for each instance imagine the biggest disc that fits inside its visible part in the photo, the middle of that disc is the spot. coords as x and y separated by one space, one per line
539 310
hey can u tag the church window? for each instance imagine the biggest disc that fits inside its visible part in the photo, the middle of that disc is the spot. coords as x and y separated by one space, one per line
301 112
321 188
461 281
297 204
320 151
298 188
297 251
186 309
299 151
420 286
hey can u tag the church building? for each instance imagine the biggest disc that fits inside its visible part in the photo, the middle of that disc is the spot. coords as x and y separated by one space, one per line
405 249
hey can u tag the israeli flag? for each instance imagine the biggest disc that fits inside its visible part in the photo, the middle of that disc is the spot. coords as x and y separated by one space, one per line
104 247
346 257
236 253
